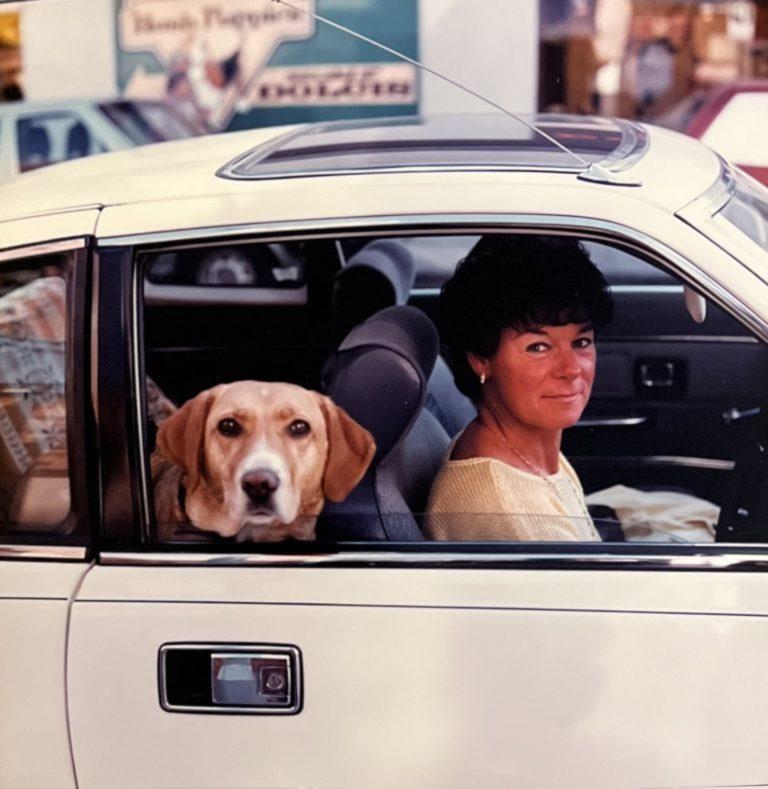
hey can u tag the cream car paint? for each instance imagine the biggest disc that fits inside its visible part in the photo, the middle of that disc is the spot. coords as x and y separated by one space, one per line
414 677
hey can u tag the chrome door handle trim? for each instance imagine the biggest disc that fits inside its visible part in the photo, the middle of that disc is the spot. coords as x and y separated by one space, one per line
612 421
288 656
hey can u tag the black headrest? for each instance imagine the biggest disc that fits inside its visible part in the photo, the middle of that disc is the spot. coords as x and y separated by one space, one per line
380 275
379 373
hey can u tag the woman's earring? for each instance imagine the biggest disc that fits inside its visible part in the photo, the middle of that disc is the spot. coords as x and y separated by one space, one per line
482 378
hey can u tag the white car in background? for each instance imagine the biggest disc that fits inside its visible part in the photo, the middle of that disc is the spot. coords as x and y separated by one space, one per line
374 657
37 134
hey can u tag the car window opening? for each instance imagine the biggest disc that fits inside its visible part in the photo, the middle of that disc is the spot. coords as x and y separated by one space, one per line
356 409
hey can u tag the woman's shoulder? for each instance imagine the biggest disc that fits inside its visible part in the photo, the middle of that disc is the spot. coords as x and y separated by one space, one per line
476 444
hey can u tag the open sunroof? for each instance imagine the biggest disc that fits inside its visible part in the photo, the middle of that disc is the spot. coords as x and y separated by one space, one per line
449 142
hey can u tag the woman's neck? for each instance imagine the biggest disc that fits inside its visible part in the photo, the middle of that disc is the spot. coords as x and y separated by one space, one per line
538 446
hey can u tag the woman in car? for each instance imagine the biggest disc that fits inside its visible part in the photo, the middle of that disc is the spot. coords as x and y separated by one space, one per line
519 316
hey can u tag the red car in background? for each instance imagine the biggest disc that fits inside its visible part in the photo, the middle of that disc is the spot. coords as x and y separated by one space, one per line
730 118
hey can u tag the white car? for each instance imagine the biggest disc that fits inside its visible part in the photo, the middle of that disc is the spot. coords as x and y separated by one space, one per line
372 656
38 133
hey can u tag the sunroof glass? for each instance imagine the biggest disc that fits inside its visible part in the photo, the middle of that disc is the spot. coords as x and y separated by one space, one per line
448 142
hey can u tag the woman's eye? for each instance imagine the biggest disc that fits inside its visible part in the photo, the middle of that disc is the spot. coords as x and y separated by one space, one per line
229 428
583 342
537 347
298 428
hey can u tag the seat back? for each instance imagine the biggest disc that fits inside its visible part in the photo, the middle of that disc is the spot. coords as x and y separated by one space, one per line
379 376
381 275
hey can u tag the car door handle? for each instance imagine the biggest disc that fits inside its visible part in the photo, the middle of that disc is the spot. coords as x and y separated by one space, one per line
612 421
230 678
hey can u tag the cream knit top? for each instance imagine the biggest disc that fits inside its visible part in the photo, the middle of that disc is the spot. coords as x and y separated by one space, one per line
487 499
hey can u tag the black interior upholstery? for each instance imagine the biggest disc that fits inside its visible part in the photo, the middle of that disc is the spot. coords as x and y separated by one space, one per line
380 275
379 376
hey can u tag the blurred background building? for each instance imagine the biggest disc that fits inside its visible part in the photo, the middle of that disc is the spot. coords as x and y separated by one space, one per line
244 63
640 58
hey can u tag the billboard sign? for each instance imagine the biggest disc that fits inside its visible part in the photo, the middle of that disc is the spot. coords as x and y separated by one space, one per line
243 63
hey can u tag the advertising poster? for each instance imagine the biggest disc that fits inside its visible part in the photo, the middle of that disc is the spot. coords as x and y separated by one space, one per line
247 63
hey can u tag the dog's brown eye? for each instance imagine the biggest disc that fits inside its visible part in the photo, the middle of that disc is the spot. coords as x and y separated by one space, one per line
229 428
298 428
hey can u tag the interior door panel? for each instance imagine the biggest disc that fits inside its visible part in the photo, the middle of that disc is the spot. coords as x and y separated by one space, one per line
668 390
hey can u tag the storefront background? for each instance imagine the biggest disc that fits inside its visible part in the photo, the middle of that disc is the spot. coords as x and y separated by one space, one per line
640 58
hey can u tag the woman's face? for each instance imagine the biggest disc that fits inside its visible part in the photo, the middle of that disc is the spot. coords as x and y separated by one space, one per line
542 378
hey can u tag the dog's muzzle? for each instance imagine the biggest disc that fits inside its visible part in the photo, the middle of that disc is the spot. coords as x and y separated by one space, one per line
259 485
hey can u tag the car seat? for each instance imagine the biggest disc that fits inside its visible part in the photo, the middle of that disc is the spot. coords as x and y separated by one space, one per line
381 275
379 377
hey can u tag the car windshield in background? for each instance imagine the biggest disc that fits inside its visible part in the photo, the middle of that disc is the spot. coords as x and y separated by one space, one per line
147 122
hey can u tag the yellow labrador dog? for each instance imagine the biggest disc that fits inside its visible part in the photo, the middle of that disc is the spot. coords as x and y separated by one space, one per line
256 461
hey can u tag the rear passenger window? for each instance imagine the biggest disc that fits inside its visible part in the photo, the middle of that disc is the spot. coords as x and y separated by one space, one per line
55 137
34 476
359 400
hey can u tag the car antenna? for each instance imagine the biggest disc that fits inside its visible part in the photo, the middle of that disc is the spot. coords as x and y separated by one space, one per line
592 172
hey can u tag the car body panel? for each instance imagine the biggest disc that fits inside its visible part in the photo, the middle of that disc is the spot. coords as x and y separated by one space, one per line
34 608
426 667
33 230
189 167
430 677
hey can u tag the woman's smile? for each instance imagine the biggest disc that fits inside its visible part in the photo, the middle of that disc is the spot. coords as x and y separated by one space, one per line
542 377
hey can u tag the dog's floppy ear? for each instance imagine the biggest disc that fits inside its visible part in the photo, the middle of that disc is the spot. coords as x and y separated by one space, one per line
180 437
350 451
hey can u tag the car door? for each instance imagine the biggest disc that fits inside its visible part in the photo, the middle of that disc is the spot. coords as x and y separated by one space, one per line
44 499
381 664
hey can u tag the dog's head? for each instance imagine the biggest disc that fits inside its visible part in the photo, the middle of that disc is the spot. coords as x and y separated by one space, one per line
260 458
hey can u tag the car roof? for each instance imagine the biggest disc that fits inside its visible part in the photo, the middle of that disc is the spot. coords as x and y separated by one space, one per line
667 169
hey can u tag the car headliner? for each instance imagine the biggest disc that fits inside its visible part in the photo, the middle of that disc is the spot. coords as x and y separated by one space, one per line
674 171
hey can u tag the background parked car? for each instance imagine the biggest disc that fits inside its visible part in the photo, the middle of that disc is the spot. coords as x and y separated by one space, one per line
36 134
731 119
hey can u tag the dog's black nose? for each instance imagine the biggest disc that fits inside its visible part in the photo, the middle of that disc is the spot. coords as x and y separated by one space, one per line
259 484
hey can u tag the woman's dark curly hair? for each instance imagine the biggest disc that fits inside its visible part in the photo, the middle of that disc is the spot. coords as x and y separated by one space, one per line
520 282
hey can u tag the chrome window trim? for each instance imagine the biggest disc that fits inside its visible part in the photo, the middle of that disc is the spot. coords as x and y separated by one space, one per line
68 553
710 464
419 224
47 248
716 558
687 338
611 421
